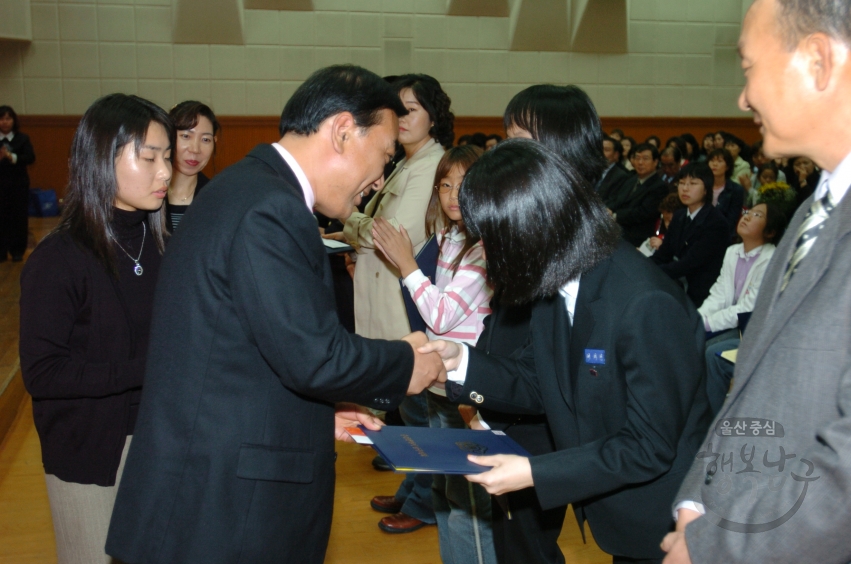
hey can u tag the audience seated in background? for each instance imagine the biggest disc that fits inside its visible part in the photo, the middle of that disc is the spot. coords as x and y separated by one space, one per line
708 146
492 140
627 143
617 134
727 195
693 250
735 292
671 159
737 149
655 141
615 177
804 178
692 150
637 207
669 205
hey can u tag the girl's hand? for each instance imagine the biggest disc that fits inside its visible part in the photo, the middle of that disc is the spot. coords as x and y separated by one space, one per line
655 242
395 245
745 181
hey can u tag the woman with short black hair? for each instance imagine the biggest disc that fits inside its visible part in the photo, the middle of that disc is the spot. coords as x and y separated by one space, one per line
86 301
16 153
728 196
197 134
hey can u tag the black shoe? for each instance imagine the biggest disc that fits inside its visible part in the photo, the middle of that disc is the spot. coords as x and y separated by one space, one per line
380 464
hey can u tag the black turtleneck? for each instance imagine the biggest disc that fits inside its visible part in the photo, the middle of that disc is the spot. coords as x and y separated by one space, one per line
83 346
136 292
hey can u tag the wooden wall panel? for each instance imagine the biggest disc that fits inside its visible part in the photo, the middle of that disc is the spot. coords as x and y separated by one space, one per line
52 135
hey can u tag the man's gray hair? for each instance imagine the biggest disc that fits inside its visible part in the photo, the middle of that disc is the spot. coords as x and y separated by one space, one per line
799 18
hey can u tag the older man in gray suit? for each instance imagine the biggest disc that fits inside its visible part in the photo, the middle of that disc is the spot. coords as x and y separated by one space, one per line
772 481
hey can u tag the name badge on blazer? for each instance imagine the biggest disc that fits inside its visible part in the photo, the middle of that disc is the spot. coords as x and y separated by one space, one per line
595 356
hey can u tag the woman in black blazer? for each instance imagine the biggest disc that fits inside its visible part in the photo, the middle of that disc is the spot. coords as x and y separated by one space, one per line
693 250
86 300
16 152
728 197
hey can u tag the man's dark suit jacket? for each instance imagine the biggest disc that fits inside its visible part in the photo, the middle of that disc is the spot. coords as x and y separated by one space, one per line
730 202
637 210
233 454
694 250
611 187
628 427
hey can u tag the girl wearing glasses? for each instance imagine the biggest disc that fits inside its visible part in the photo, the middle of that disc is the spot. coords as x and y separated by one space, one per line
736 290
454 307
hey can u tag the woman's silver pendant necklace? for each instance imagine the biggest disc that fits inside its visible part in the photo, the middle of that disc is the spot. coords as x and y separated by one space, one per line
138 268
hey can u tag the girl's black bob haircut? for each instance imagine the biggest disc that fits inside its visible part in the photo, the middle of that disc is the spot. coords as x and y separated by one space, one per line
541 223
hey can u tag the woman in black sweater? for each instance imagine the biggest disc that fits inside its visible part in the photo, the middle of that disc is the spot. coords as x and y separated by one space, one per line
16 153
86 299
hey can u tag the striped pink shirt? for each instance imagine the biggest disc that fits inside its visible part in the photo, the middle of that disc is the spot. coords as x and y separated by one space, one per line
453 307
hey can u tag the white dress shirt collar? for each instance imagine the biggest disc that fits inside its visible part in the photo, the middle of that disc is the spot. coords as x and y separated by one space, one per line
740 252
570 292
9 136
837 181
693 215
306 188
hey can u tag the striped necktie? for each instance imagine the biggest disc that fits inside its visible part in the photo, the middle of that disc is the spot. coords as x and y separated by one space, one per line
807 234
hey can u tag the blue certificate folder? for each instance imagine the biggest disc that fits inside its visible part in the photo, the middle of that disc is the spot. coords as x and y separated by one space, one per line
439 451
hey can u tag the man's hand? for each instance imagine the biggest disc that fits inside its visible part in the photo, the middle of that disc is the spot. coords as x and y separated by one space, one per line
675 543
450 352
509 474
655 243
428 368
338 236
352 415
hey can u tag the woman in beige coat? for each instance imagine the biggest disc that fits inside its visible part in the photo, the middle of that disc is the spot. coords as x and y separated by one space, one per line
379 309
424 132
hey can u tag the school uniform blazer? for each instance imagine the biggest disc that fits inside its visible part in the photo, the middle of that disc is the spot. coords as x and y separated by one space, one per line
718 308
694 251
793 369
232 459
637 210
627 427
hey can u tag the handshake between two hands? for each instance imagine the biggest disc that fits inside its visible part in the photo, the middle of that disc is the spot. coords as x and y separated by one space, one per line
432 359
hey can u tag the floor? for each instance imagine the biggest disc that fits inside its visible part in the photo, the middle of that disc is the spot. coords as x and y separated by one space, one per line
26 531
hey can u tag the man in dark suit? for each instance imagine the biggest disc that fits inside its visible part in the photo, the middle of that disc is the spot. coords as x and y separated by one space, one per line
233 454
697 239
637 210
615 357
615 178
792 384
